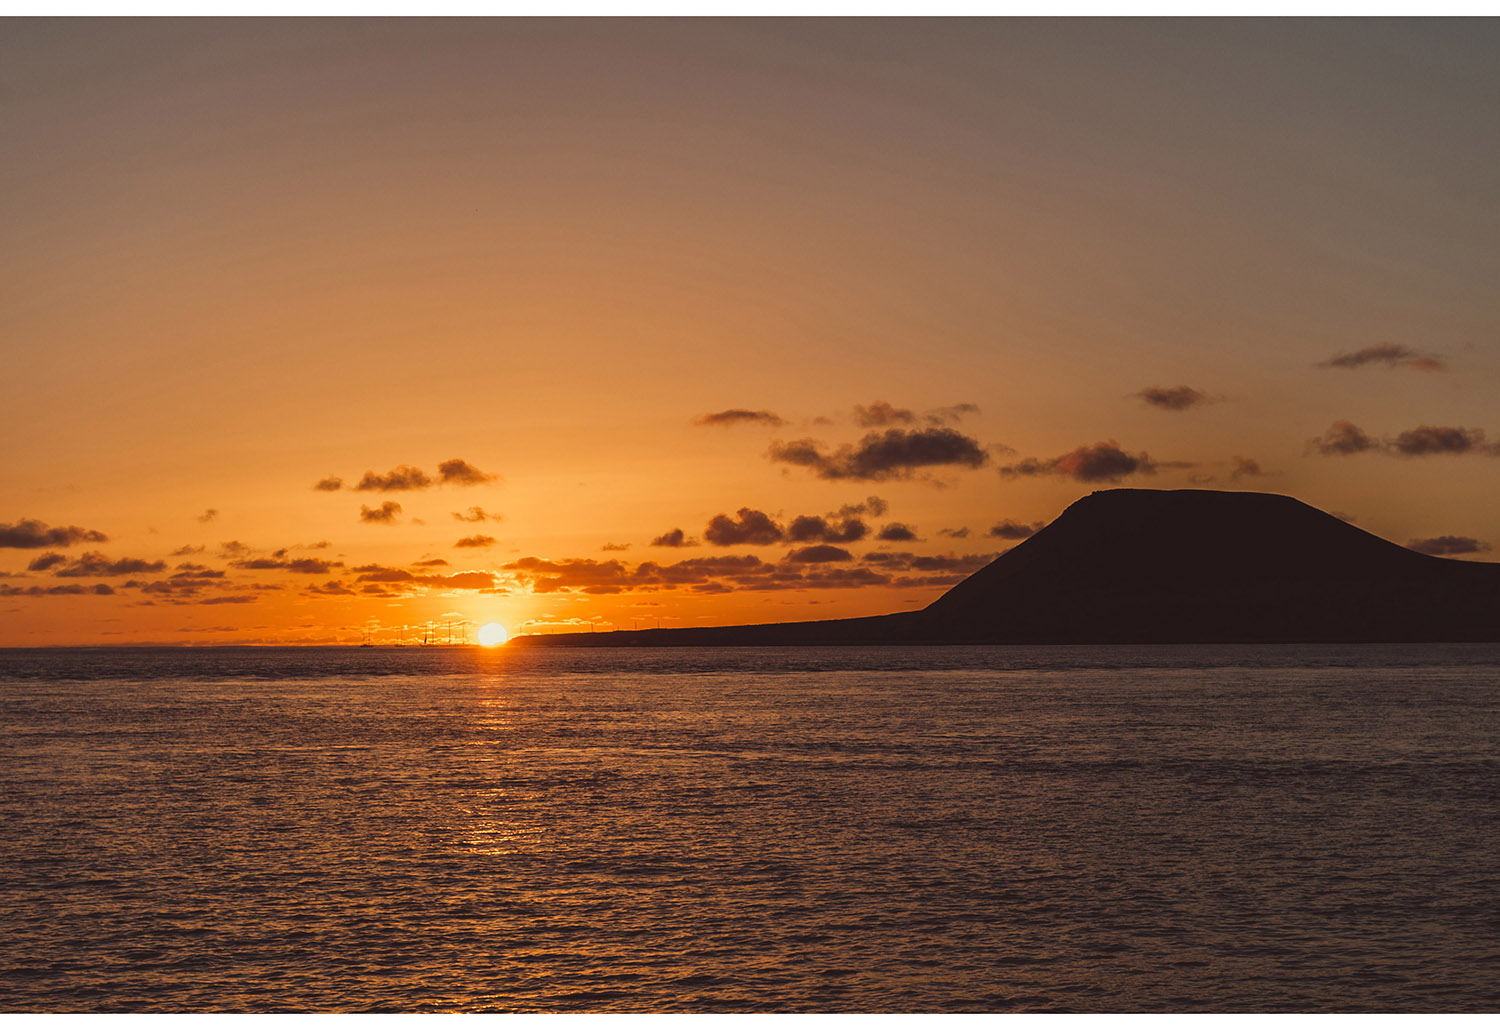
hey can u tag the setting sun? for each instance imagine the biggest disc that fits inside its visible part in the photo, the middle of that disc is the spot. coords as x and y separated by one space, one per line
492 634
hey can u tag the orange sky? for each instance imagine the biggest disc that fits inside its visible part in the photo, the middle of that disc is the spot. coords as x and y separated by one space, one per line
244 256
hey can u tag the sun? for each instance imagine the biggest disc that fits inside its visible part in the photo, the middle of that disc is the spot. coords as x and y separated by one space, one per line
492 634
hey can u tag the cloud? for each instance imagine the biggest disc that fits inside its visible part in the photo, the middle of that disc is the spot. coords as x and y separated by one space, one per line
819 553
402 477
186 549
750 527
92 563
209 514
386 513
55 591
47 561
892 454
883 414
1242 467
895 531
674 538
430 562
1009 529
329 484
1425 440
1391 355
1448 545
333 586
739 416
29 533
905 560
476 541
960 533
808 528
232 549
460 581
1174 398
461 473
615 547
1096 463
872 506
232 599
476 514
307 566
1342 438
952 413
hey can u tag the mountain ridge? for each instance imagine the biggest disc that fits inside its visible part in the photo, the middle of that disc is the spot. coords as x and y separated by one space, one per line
1165 566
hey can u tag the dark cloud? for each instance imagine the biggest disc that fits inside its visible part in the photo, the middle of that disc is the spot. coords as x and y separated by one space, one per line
872 506
1242 467
892 454
92 563
739 416
952 413
47 561
232 549
329 484
430 562
460 581
819 553
1425 440
307 566
476 514
29 533
382 574
900 561
331 587
475 541
186 549
209 514
1174 398
750 527
674 538
461 473
896 531
55 591
1097 463
1391 355
960 533
810 528
1342 438
232 599
1009 529
402 477
1448 545
615 547
386 513
882 413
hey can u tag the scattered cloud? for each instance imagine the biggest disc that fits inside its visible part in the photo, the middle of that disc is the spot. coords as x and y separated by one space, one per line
674 538
461 473
960 533
739 416
430 562
896 531
233 549
185 550
1097 463
872 506
1242 467
386 513
54 591
329 484
209 514
29 533
809 528
93 563
1391 355
231 599
882 413
615 547
402 477
476 541
1343 438
749 527
1448 545
819 553
1174 398
952 413
1009 529
47 561
476 514
892 454
307 566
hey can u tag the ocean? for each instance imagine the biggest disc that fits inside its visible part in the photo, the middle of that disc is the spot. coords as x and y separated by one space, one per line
954 829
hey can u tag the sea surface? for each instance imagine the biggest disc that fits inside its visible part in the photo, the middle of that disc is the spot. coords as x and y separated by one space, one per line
1075 829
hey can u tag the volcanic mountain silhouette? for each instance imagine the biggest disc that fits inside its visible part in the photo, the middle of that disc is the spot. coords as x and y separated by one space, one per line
1167 566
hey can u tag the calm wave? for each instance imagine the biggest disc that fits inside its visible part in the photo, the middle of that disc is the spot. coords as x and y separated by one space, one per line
887 829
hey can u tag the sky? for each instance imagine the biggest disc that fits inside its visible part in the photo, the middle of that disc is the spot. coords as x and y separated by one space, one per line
320 330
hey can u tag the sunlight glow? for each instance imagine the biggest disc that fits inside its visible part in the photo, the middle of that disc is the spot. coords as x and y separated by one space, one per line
492 634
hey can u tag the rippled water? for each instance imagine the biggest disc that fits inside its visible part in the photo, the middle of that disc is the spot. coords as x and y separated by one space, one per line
950 829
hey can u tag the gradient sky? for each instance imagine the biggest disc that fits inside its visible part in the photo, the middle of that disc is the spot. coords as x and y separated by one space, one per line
984 266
